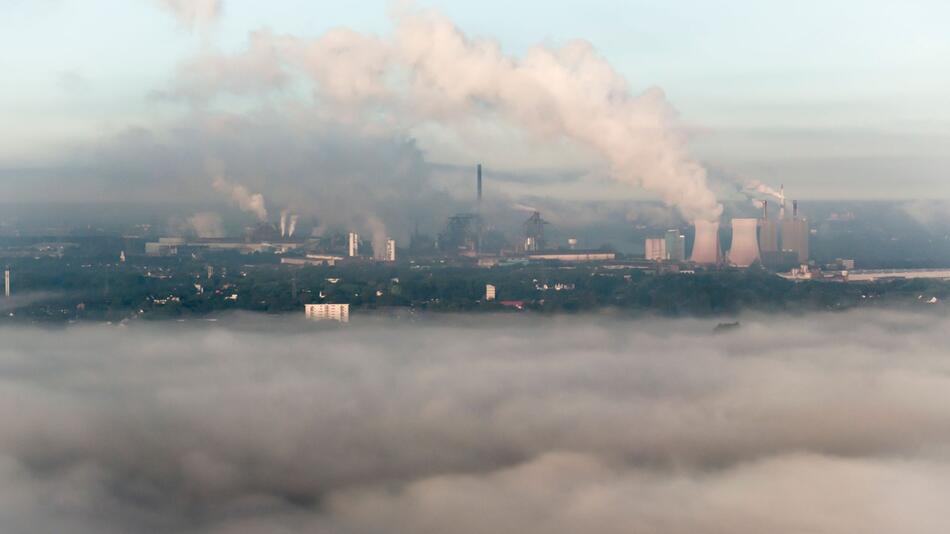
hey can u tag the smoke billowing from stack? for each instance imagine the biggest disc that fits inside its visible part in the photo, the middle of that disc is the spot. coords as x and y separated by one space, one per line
706 245
247 201
292 225
429 72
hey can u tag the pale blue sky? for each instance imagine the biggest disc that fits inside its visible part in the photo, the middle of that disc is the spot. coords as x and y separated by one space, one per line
781 90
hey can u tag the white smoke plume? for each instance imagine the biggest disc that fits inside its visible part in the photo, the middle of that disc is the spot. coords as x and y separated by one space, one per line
755 186
378 235
283 223
195 14
293 225
565 425
247 201
206 224
429 71
523 207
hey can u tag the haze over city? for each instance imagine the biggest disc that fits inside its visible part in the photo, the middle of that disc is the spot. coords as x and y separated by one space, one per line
388 266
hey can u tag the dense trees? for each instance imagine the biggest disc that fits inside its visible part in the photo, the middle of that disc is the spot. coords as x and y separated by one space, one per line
102 289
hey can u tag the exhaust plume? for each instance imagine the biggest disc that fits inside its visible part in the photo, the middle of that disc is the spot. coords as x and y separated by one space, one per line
206 224
251 203
429 72
524 207
283 223
755 186
379 235
293 225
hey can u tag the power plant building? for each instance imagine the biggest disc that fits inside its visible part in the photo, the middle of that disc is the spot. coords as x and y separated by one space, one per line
675 246
795 234
489 292
328 312
768 231
706 244
391 250
745 247
655 248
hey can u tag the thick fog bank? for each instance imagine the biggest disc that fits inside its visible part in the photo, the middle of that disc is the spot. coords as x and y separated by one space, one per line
828 423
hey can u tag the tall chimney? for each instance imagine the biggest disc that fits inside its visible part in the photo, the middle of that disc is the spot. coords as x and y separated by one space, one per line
6 283
794 209
765 210
479 183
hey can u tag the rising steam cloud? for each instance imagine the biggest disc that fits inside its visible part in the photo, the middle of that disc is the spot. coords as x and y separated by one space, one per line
755 186
786 425
247 201
429 71
206 224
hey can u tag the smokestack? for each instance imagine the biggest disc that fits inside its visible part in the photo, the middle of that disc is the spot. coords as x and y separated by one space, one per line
765 210
479 184
6 283
745 247
706 244
794 209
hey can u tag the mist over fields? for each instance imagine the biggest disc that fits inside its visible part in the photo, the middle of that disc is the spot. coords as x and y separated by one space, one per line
823 423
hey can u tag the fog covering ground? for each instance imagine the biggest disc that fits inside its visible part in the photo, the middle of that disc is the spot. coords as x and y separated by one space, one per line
820 424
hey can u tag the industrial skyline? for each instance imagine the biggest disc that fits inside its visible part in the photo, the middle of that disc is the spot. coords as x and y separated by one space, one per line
454 267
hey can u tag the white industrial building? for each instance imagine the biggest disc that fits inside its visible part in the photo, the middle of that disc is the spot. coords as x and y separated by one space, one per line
390 250
328 312
655 248
489 292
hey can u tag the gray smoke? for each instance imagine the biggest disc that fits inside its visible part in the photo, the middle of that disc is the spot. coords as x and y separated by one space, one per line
258 424
206 224
244 199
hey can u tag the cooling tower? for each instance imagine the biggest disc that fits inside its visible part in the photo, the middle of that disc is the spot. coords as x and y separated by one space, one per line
745 245
706 245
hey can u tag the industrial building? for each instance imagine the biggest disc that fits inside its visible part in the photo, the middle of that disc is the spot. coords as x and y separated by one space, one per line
675 245
795 234
489 292
169 246
353 245
313 259
328 312
572 255
768 231
534 233
655 248
390 250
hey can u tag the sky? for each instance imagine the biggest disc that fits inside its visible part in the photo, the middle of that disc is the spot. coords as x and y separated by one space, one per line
844 99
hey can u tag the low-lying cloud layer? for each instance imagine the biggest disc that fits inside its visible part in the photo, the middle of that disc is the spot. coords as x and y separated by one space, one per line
832 423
